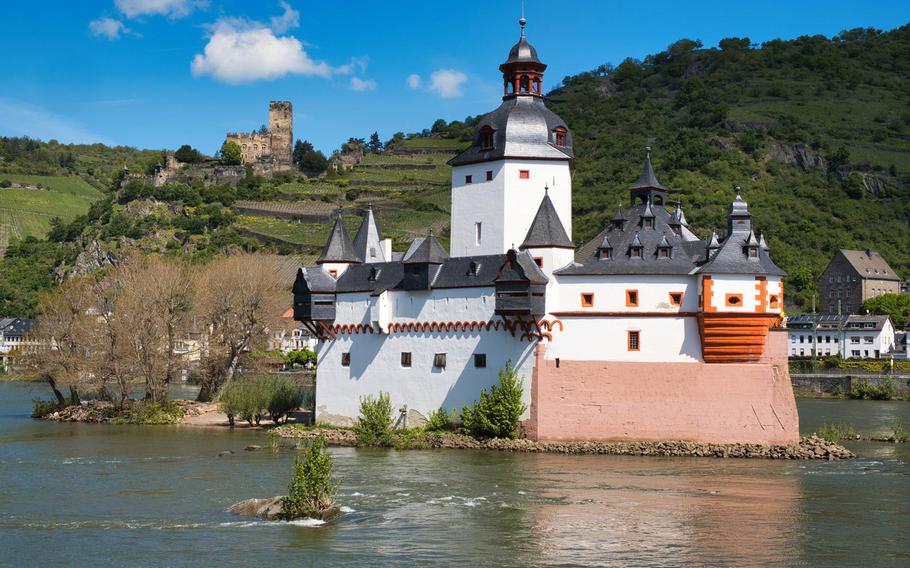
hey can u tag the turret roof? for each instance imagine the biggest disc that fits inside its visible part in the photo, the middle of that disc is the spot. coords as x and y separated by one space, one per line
339 247
547 229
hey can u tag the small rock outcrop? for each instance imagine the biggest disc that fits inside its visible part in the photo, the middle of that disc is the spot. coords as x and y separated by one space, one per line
799 155
272 509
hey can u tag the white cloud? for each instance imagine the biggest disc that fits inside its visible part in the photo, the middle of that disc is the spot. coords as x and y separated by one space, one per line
22 119
357 63
362 85
240 51
171 8
447 82
414 81
287 21
107 27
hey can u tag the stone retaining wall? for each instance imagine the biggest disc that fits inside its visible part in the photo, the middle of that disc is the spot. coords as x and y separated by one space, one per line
821 384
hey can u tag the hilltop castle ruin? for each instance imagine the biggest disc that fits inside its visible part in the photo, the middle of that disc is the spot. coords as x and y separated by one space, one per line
274 146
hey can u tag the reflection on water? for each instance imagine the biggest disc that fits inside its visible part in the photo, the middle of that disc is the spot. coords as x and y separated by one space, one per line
157 495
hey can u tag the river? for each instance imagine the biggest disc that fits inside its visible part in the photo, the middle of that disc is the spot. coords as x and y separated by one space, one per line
101 495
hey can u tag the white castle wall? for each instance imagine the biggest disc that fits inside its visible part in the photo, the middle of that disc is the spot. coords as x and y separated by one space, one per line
610 293
505 206
662 339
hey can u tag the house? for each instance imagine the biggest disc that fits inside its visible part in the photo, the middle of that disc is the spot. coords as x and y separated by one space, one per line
852 277
646 332
845 336
13 338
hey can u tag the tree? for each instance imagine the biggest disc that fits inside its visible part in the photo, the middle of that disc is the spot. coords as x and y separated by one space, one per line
438 126
239 299
231 154
187 154
895 305
375 144
300 149
313 162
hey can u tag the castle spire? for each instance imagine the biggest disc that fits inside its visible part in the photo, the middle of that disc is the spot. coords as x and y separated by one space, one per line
646 187
367 243
339 247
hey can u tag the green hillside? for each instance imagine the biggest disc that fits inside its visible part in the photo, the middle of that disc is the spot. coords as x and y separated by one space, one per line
816 131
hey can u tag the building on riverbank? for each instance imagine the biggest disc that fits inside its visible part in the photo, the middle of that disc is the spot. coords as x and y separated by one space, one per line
852 277
646 332
13 339
841 336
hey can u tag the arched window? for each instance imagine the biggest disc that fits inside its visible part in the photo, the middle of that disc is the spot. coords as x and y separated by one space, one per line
560 136
537 85
524 84
486 138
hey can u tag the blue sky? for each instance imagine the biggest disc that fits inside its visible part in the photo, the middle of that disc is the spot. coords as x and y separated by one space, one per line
160 73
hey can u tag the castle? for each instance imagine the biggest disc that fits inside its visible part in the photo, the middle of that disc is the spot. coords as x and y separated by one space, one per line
276 145
646 332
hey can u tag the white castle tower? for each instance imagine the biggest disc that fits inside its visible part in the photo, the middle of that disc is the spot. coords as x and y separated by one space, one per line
520 149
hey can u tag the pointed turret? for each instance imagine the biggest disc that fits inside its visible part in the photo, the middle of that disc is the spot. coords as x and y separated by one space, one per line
522 71
339 247
367 243
751 241
678 218
429 251
646 187
547 231
762 243
618 220
605 250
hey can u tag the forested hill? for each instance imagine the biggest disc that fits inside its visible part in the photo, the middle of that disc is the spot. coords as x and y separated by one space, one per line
816 131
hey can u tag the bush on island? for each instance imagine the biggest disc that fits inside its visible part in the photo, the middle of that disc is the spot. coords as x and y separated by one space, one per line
252 398
496 414
374 425
311 493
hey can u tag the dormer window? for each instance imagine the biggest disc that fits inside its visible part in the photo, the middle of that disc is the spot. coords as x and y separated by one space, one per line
606 253
617 224
473 267
647 223
752 252
560 136
374 273
663 252
486 138
636 251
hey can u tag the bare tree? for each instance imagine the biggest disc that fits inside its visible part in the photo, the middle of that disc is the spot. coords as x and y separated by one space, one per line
110 345
240 299
63 334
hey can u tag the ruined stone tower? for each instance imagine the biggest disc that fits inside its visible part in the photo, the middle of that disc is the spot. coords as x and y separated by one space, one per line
281 131
274 147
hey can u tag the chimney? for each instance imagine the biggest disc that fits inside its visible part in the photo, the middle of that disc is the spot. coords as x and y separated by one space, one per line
386 245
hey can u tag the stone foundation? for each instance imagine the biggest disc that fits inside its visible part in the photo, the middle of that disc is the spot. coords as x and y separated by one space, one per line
716 403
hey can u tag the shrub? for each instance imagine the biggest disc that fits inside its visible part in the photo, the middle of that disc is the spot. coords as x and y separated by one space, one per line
284 397
147 412
5 183
496 414
836 432
41 408
311 493
374 426
440 420
864 390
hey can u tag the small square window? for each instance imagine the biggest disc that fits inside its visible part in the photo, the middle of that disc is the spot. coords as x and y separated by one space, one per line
469 179
439 360
632 298
480 360
405 358
333 273
634 340
676 298
587 299
489 175
773 301
346 359
524 174
538 260
734 300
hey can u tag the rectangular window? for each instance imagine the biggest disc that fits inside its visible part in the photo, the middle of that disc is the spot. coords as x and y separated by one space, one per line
773 302
634 340
478 232
587 300
489 175
405 358
469 179
524 174
372 252
854 353
538 260
333 273
676 298
346 359
854 339
734 300
439 360
632 298
867 339
480 360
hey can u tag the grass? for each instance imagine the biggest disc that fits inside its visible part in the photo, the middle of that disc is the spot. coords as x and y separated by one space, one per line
431 143
28 212
836 432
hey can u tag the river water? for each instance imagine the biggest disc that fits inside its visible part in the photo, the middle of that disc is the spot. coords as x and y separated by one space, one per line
99 495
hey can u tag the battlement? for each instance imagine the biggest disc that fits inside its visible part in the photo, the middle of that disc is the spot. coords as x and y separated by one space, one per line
275 146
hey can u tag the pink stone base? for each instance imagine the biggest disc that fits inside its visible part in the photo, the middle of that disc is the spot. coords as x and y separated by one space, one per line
701 402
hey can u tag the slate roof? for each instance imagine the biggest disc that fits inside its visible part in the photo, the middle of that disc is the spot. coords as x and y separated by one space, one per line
314 279
429 251
731 257
547 229
522 52
339 247
368 236
878 321
647 179
15 327
685 253
453 272
870 264
523 127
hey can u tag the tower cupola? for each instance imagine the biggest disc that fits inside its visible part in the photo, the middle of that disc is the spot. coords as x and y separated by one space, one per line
522 72
646 188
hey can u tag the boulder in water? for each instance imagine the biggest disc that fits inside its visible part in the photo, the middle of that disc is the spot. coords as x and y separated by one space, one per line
272 509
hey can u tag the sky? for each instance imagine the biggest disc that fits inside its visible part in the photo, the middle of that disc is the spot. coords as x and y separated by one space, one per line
161 73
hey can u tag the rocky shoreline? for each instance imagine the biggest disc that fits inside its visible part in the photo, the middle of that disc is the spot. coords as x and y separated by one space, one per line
809 447
102 411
